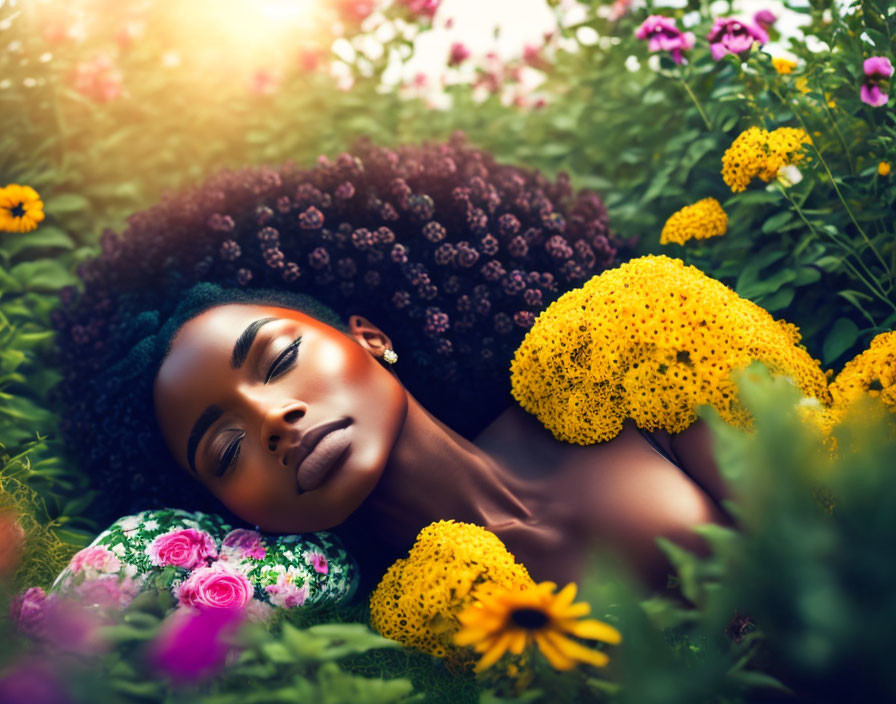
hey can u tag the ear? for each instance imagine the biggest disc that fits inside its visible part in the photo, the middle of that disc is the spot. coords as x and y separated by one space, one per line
368 335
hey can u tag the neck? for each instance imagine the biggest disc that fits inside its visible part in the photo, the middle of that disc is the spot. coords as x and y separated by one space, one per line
435 474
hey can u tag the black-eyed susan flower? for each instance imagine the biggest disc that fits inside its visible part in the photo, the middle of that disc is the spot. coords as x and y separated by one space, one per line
512 620
650 340
21 209
703 219
449 567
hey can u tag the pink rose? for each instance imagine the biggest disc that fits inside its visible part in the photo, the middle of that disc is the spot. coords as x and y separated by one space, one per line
94 560
186 548
318 561
28 611
247 543
214 587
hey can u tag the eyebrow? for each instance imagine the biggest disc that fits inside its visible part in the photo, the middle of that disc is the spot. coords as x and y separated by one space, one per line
212 413
245 340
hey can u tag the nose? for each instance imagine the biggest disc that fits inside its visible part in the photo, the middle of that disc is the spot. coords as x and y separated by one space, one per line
278 428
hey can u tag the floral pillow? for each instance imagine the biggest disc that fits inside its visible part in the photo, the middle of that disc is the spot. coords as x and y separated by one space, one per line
203 562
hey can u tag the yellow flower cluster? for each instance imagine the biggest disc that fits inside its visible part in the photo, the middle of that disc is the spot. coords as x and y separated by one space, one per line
873 372
652 340
20 208
783 66
450 566
757 152
703 219
883 168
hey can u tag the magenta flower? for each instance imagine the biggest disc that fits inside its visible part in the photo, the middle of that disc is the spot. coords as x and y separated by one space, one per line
872 95
662 35
423 8
877 67
765 19
318 561
28 611
459 53
245 543
191 645
731 36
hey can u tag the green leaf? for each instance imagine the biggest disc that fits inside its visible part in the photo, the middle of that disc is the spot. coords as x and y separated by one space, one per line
65 204
842 336
47 237
42 275
776 222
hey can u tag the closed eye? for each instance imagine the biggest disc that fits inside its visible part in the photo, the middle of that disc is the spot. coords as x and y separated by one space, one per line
231 454
284 360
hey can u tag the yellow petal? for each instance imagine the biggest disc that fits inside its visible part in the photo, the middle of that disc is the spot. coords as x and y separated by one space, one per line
468 636
594 629
566 596
518 642
494 653
557 659
575 651
573 611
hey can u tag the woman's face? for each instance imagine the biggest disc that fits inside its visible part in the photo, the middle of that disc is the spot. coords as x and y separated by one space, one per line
246 389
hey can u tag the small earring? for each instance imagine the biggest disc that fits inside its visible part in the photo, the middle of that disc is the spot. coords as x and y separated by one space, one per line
390 356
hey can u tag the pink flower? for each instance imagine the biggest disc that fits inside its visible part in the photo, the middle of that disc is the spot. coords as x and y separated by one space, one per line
28 611
662 35
872 95
191 644
98 79
94 561
318 561
354 10
214 587
731 36
107 591
285 593
877 67
459 53
765 19
185 548
246 543
265 82
422 8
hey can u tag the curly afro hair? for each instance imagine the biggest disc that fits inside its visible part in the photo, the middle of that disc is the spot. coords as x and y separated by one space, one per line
450 253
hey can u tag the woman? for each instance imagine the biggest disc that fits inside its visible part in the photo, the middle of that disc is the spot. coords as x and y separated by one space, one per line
235 386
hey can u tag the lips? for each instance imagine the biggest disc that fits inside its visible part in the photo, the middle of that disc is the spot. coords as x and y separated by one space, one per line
311 472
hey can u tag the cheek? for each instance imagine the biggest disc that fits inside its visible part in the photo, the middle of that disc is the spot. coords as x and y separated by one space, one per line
255 489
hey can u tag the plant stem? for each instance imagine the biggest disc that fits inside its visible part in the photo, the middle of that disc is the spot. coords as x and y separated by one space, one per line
840 196
696 102
880 294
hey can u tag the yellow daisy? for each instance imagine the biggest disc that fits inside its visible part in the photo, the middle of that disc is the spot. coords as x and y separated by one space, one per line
511 620
20 208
